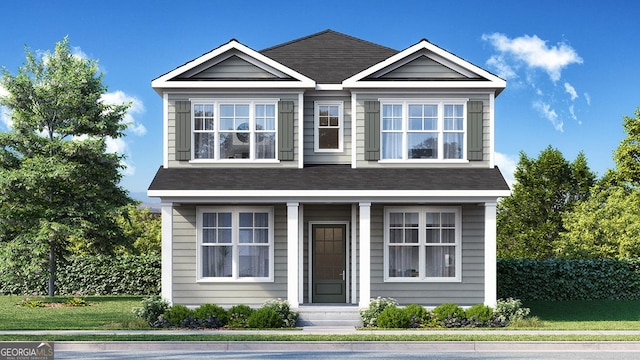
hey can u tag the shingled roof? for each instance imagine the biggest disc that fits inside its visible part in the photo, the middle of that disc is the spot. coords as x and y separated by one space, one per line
329 57
328 177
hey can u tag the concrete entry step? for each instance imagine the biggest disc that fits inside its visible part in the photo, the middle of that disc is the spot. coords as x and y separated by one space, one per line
317 315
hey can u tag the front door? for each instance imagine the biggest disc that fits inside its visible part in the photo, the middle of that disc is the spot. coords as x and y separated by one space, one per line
329 263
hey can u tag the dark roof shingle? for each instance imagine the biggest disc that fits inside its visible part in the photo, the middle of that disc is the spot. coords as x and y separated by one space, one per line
329 57
328 177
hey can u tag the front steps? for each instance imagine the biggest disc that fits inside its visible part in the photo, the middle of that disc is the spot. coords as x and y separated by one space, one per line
317 315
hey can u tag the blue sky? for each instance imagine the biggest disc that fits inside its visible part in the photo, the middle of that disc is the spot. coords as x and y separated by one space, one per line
571 67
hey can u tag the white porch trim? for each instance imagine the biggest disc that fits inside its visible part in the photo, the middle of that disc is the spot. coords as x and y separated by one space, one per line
365 254
167 252
490 266
293 257
354 254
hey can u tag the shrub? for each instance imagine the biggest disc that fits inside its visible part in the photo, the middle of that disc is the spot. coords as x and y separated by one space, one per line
511 310
239 316
176 314
151 309
417 314
394 318
446 311
211 311
479 312
265 318
289 318
370 315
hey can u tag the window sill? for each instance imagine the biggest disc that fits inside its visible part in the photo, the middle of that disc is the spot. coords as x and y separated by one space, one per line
233 280
425 280
234 161
424 161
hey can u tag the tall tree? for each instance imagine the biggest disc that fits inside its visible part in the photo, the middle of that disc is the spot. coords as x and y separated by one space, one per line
530 220
627 155
56 180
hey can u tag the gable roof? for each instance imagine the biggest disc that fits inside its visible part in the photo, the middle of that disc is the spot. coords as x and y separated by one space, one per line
184 76
329 57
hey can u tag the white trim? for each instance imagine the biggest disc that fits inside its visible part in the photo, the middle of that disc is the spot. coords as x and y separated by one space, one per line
167 252
354 129
165 130
300 137
300 254
354 254
422 244
235 211
329 87
365 254
490 257
494 82
299 80
310 255
293 225
316 126
330 195
492 131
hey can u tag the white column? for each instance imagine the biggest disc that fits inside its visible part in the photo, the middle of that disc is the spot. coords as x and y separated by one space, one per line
167 252
300 254
365 255
490 266
292 254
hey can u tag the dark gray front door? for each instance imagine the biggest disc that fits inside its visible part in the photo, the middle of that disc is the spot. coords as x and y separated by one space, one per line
329 263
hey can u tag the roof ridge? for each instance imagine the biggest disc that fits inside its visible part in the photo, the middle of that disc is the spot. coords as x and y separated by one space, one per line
327 31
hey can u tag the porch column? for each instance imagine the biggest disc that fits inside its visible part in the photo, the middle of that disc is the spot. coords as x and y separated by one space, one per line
167 252
365 255
490 266
293 221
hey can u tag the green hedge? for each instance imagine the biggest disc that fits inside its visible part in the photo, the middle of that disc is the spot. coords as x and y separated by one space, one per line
93 275
564 279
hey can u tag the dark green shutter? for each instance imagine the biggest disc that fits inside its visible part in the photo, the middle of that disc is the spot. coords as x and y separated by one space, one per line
372 130
474 130
183 130
285 130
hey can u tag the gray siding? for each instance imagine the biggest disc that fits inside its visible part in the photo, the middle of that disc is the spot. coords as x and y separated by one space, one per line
468 292
312 157
187 291
360 129
233 68
172 129
423 68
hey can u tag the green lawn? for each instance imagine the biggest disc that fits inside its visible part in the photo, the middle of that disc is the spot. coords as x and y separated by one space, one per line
105 312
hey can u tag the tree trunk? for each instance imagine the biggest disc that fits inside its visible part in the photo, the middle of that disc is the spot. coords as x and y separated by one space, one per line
52 268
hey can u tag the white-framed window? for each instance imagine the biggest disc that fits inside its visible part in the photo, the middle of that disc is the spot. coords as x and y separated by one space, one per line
423 243
423 130
328 126
234 129
235 243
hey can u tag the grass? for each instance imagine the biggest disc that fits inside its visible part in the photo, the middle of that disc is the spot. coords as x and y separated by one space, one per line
105 312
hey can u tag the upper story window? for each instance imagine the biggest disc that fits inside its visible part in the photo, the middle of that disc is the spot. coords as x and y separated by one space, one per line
432 130
234 130
328 126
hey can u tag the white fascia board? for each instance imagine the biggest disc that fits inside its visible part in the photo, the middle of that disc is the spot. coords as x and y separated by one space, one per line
354 81
263 84
331 195
390 84
163 81
329 87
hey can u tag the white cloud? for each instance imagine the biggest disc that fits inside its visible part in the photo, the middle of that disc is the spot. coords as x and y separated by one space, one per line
534 52
587 97
570 90
545 110
501 67
507 165
136 108
5 115
121 147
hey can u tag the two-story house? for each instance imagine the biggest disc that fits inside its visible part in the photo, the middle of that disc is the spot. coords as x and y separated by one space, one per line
328 169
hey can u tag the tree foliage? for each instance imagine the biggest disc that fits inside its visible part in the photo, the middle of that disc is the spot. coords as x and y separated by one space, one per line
547 187
56 180
627 155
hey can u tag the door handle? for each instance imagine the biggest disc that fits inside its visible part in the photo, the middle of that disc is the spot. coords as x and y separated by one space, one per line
343 273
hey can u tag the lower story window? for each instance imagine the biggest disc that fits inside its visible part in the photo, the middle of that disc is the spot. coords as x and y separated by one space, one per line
423 244
235 243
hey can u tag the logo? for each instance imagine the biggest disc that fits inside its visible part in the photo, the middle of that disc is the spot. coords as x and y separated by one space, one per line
26 350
